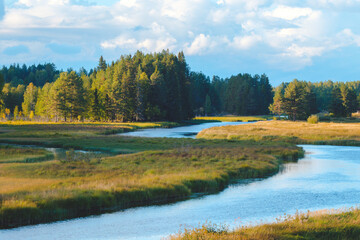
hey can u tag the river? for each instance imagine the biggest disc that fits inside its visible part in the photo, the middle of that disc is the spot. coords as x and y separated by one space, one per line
328 177
178 132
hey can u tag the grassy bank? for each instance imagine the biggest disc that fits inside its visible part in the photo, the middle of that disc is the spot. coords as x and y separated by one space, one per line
291 132
161 171
235 118
10 154
316 225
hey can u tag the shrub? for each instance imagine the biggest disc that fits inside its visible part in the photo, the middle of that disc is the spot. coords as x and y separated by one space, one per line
313 119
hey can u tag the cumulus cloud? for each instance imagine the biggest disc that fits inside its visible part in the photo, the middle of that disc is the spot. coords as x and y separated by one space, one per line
292 32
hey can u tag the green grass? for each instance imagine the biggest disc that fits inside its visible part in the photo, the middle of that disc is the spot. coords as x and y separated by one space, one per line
322 225
10 154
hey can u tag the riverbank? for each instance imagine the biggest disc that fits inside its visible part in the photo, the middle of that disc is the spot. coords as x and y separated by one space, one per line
342 134
324 224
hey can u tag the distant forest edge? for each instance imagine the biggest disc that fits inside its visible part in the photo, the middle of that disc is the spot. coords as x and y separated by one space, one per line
159 87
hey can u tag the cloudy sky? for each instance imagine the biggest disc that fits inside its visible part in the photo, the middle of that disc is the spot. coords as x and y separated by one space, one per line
304 39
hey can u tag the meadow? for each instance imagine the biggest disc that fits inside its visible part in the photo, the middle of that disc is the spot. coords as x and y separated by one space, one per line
152 171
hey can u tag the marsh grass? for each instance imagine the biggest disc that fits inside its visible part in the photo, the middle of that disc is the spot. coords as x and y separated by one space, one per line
231 118
287 131
325 224
10 154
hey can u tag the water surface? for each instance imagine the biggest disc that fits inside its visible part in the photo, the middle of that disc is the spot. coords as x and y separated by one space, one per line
178 132
328 177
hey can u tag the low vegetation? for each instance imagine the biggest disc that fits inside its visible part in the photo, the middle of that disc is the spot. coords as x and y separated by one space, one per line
10 154
287 131
312 225
235 118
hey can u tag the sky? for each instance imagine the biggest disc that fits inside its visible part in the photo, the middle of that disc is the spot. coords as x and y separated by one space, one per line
285 39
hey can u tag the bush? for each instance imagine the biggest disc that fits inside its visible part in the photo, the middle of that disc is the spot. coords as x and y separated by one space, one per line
313 119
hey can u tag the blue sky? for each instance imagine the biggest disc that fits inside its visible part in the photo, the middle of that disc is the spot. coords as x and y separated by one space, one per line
304 39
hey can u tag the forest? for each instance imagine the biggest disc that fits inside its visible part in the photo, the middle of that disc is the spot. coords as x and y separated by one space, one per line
142 87
159 87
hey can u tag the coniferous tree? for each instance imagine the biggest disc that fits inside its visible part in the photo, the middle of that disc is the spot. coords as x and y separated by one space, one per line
349 101
336 105
2 83
102 64
70 95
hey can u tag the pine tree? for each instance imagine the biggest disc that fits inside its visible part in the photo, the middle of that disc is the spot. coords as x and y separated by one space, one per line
208 106
336 104
70 95
102 64
349 101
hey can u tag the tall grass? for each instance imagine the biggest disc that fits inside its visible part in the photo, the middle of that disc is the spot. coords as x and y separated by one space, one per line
231 118
312 225
287 131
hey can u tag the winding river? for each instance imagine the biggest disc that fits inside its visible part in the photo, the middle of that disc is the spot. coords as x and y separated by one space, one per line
328 177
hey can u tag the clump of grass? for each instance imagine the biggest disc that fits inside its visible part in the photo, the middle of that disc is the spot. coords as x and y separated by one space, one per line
313 119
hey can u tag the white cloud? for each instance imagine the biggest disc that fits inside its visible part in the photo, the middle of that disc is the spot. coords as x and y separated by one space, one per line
200 44
289 13
245 42
293 32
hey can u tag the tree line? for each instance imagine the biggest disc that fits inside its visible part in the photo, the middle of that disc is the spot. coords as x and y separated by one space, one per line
299 99
160 86
142 87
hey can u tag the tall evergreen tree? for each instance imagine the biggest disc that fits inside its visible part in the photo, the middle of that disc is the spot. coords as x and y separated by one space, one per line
102 64
336 105
70 95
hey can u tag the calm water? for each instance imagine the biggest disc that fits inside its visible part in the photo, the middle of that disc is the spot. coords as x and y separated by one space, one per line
328 177
178 132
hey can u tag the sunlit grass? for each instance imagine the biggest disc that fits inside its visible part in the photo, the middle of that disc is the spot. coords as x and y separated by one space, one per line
325 224
294 132
235 118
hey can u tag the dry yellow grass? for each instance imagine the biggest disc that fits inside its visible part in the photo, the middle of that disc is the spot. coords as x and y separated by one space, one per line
285 130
